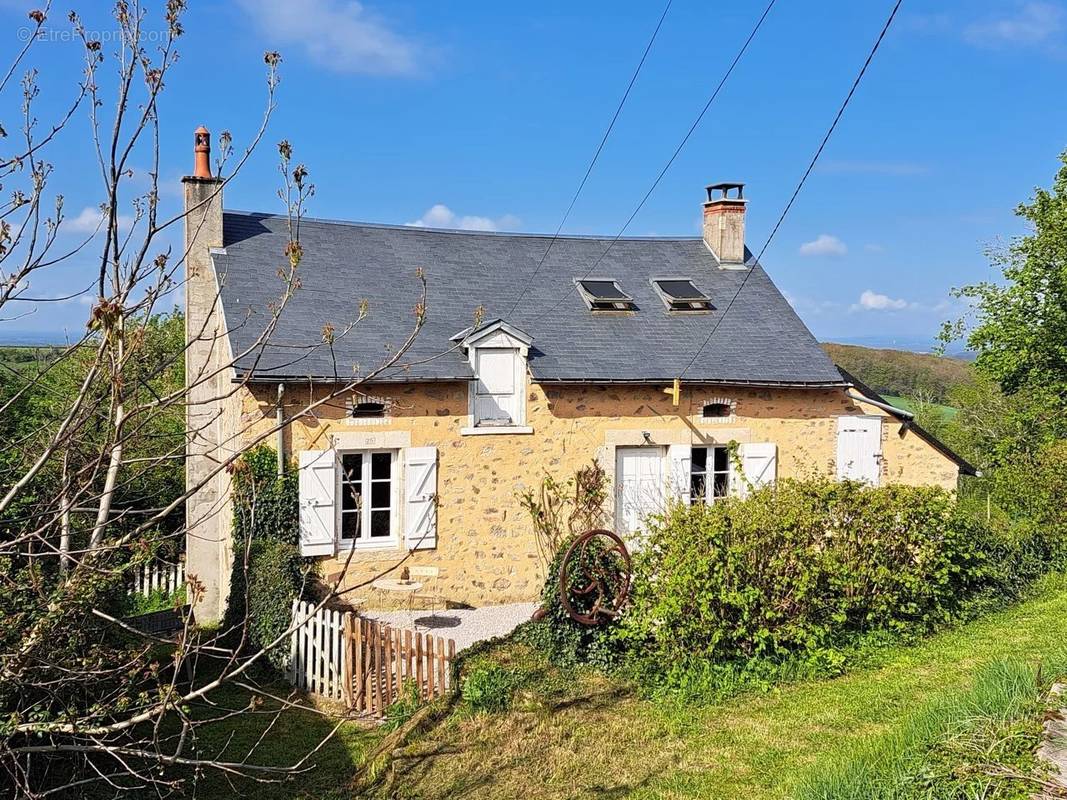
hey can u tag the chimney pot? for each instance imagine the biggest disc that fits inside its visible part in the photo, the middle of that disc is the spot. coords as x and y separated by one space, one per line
724 222
201 153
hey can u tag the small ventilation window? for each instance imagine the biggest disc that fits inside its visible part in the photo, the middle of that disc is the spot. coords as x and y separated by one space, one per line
605 295
368 409
679 294
717 410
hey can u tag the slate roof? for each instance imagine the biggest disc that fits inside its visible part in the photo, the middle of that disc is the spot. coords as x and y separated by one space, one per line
761 341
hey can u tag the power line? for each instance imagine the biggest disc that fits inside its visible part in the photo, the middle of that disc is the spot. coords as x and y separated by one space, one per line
800 185
596 155
670 161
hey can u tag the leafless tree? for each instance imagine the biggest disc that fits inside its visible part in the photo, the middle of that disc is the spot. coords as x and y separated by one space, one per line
87 698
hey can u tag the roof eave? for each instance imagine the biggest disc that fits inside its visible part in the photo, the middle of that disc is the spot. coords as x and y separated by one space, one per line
909 419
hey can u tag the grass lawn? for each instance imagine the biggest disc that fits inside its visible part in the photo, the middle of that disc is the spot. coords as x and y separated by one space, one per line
597 745
594 740
292 734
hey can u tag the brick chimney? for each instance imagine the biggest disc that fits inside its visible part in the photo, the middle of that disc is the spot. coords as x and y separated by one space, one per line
724 223
206 356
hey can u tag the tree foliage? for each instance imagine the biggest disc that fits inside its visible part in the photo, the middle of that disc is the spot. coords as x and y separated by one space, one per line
898 372
1021 331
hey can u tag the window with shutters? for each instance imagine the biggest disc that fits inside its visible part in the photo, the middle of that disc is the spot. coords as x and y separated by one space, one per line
709 474
368 507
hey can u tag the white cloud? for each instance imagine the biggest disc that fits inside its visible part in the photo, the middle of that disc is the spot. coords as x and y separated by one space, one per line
874 301
86 222
441 216
342 36
1033 23
807 306
91 219
824 245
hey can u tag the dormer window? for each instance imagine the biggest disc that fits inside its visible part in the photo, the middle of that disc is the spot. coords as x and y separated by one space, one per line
679 294
604 294
497 353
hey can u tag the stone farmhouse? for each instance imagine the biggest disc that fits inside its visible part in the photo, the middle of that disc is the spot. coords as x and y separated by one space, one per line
538 355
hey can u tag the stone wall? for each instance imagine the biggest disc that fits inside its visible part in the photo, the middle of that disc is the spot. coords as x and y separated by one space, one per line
212 406
486 547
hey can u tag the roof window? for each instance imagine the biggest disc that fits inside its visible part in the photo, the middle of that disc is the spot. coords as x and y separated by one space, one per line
604 294
679 294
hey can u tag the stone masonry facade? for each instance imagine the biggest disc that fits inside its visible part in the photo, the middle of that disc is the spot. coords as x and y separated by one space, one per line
486 547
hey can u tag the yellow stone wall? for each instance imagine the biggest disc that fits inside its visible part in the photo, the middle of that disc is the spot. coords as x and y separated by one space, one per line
486 548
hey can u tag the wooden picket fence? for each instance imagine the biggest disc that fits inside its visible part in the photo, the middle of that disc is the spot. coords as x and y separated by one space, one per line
156 576
364 663
316 650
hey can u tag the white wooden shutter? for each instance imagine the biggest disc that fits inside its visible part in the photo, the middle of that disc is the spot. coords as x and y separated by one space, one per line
420 498
859 449
318 481
496 386
759 462
679 457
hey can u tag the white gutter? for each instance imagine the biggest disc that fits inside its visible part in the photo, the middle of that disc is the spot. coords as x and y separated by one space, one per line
899 412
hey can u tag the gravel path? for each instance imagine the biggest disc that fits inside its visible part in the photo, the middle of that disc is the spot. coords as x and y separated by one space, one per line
466 626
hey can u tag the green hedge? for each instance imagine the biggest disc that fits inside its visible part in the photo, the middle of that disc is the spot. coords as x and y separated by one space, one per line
266 522
274 579
794 567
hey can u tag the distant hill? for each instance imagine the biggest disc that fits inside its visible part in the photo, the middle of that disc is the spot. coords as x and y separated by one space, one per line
899 372
914 344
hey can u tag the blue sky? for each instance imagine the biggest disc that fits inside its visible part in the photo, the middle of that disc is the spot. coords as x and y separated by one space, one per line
485 114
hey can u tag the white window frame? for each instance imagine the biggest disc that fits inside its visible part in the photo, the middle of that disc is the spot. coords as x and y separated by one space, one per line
709 472
367 543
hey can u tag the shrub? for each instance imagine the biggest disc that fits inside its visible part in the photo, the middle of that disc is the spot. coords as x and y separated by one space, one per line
404 707
274 579
489 688
560 510
793 567
564 641
266 525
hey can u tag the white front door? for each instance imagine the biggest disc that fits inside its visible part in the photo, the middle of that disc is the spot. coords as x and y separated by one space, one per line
859 449
639 486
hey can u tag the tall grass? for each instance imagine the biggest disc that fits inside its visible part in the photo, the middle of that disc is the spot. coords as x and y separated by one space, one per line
952 741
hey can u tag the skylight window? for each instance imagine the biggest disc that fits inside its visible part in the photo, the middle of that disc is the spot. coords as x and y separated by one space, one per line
605 295
679 294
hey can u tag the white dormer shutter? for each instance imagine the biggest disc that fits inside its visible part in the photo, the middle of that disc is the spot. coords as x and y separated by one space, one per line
759 462
680 458
420 498
318 480
496 386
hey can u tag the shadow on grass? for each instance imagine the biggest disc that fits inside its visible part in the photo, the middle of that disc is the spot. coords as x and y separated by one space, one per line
261 736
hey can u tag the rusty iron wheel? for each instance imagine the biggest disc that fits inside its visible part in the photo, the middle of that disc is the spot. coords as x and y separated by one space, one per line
594 579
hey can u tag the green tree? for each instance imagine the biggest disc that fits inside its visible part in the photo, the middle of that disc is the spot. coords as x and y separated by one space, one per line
1021 331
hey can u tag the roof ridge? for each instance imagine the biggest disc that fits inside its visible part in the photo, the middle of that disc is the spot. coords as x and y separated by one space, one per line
427 229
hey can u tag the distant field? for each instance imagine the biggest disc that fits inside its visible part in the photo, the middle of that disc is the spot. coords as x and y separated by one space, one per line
948 412
19 356
900 373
